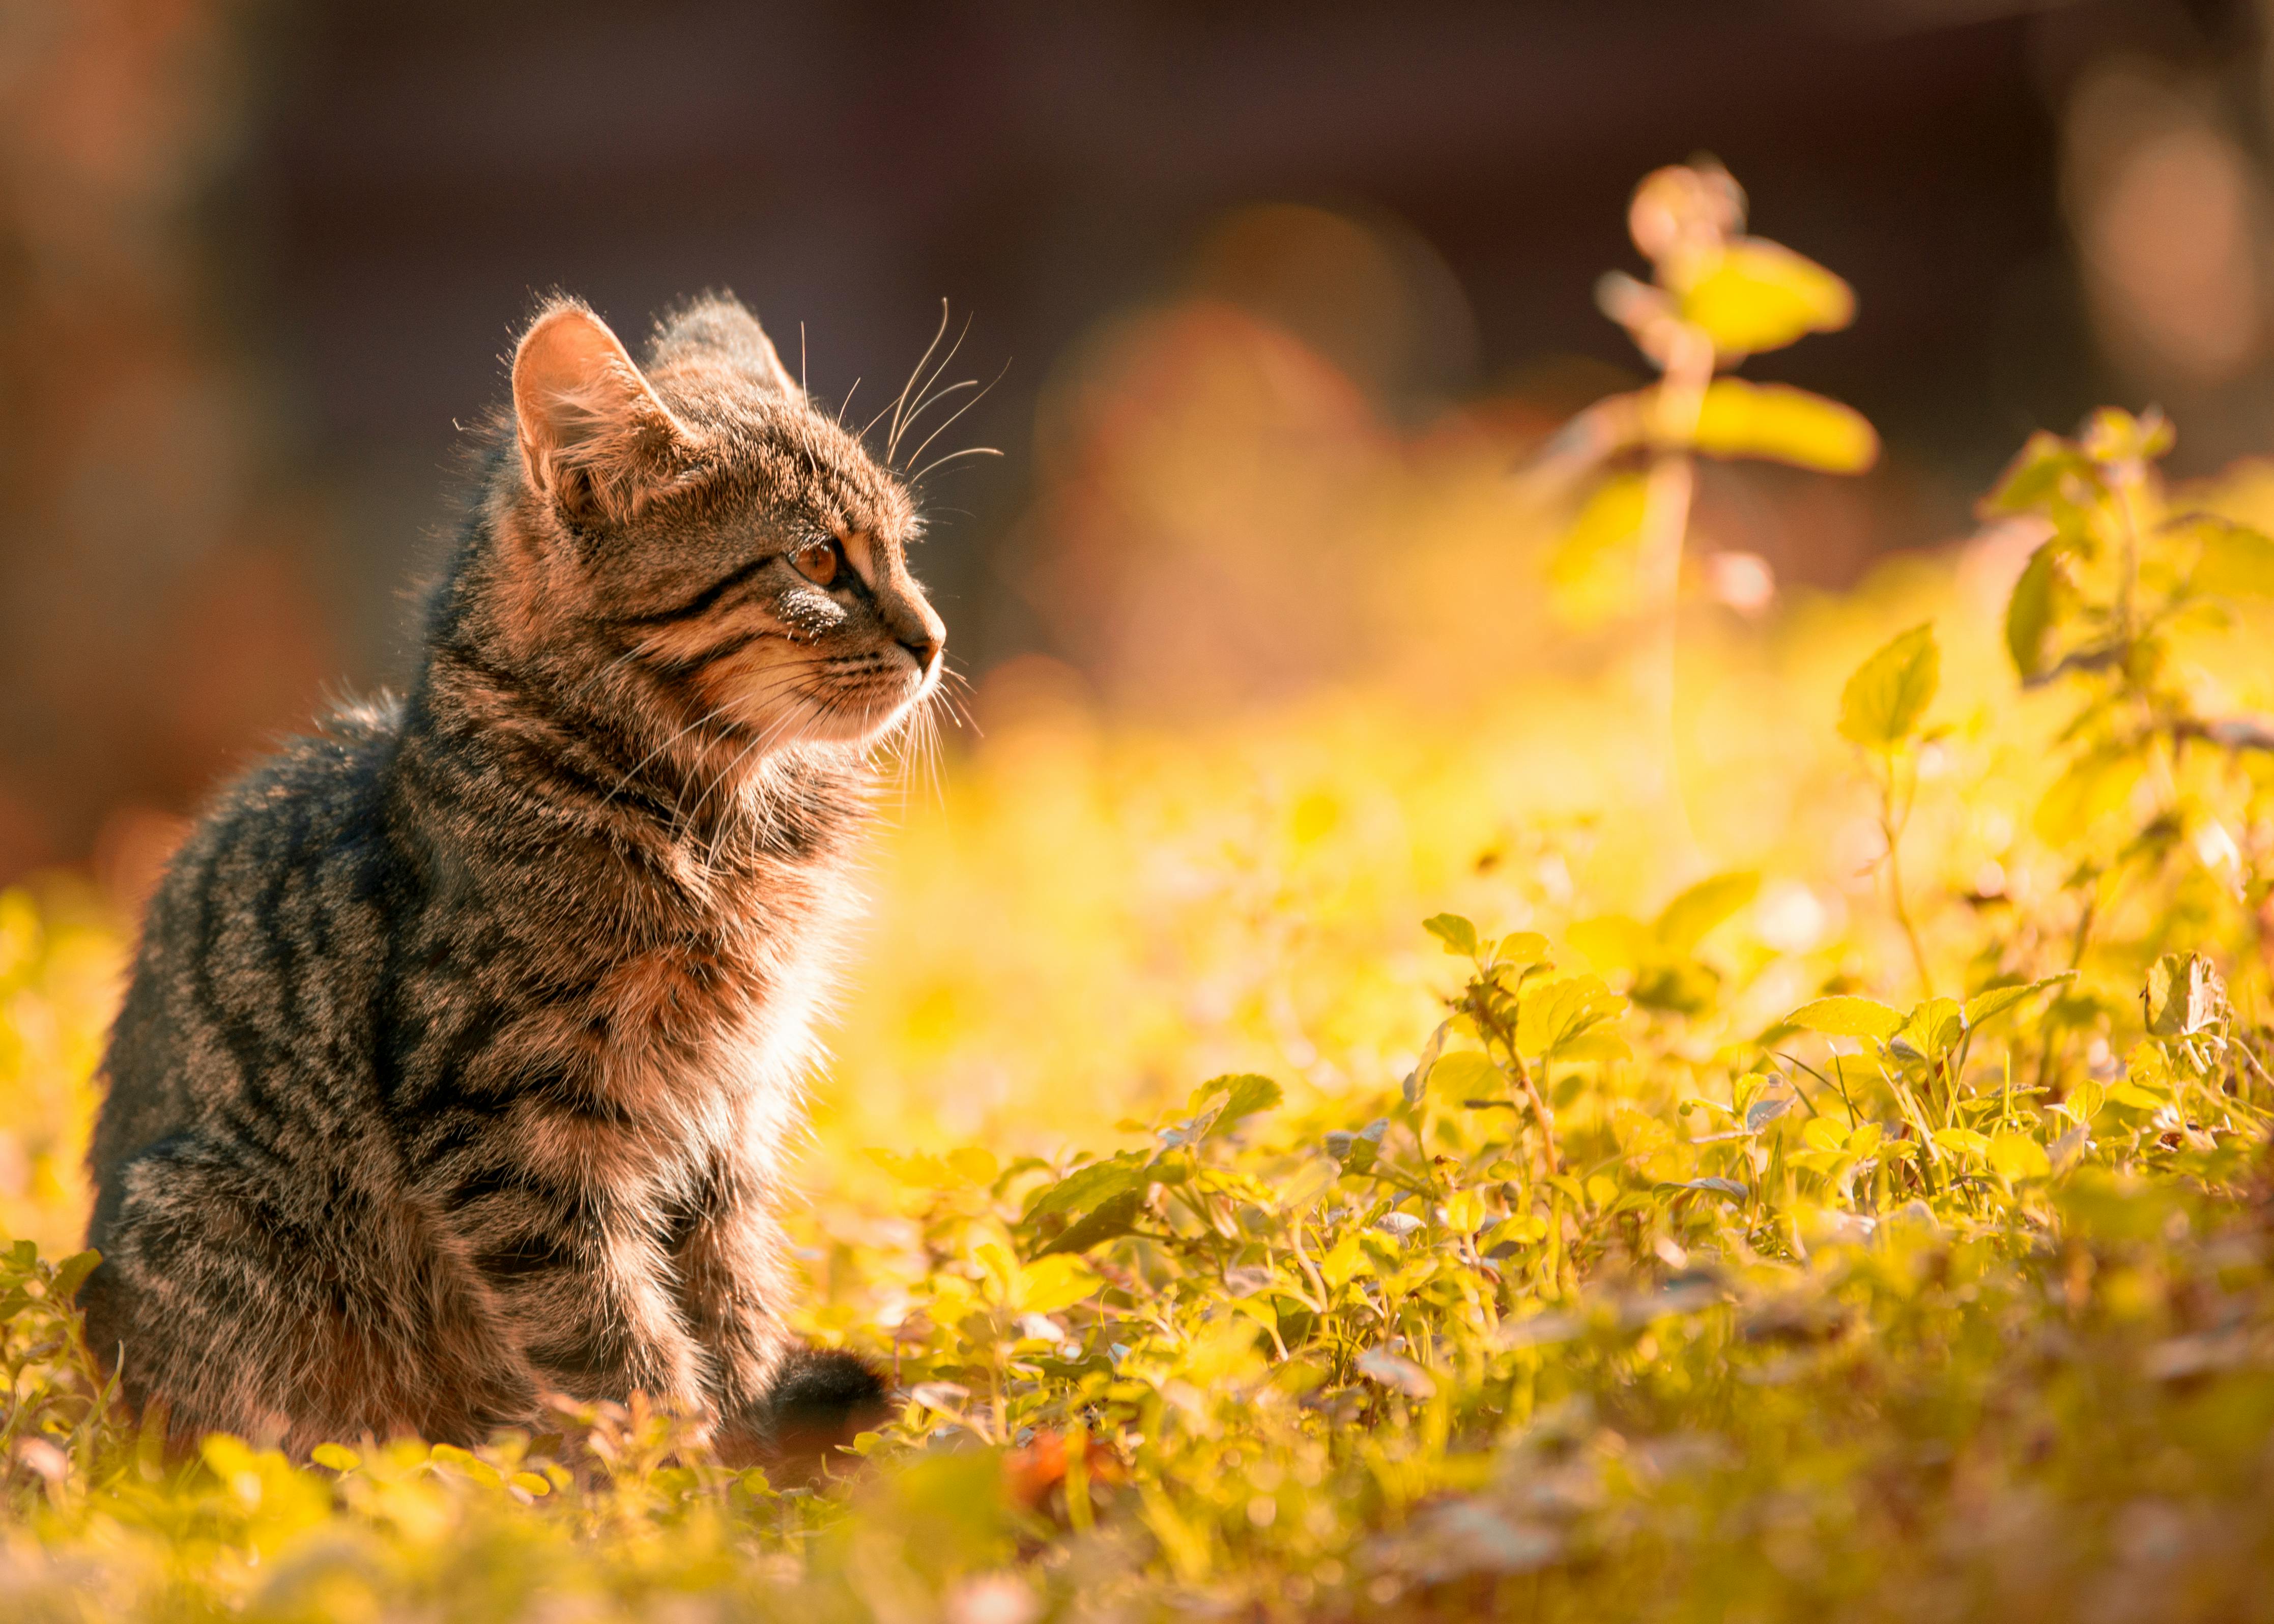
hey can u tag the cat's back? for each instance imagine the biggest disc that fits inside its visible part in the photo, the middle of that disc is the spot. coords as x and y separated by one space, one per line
250 997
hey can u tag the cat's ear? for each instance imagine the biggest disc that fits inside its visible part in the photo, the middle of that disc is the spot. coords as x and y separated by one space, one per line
717 327
594 437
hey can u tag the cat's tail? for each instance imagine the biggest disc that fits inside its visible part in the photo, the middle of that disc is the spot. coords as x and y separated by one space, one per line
822 1397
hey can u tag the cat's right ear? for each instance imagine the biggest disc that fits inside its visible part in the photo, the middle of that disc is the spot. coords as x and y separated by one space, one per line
594 437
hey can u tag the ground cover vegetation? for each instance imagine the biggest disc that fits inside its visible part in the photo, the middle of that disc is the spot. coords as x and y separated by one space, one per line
1368 1159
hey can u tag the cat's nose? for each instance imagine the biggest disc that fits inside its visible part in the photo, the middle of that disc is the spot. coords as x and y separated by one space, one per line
921 632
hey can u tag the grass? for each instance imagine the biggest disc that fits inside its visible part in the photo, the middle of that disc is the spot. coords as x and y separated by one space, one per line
1418 1151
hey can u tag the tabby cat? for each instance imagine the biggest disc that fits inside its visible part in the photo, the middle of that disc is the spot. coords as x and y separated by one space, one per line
465 1038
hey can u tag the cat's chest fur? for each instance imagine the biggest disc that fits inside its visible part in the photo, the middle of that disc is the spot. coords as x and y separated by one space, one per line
687 1041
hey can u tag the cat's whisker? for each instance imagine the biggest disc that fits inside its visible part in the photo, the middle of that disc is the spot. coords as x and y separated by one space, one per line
784 684
933 399
894 409
928 469
900 422
716 713
917 455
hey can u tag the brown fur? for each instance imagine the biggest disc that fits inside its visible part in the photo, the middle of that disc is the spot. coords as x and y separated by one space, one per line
465 1038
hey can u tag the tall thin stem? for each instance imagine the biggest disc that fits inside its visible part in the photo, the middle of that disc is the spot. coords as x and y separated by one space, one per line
1668 494
1890 828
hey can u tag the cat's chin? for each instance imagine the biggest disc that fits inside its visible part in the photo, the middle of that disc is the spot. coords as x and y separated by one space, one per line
856 721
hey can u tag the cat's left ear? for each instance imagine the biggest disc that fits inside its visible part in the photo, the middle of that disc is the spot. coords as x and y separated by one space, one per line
718 328
594 436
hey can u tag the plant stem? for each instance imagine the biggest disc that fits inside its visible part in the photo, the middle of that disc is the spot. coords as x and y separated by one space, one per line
1890 828
1667 493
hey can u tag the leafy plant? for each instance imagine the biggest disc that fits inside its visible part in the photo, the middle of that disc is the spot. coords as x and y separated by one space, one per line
1738 1271
1715 298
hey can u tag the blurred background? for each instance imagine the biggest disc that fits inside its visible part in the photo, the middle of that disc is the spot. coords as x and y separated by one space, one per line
1273 293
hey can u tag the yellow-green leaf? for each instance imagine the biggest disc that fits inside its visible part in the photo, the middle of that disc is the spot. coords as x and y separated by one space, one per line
2037 476
1612 940
1758 295
1457 934
2030 612
1522 949
2017 1156
1591 571
2235 562
2185 994
2113 435
1962 1141
1823 1133
1246 1094
1781 424
1686 920
1109 1220
1881 705
1059 1281
1466 1075
1344 1261
1987 1005
1848 1017
1556 1014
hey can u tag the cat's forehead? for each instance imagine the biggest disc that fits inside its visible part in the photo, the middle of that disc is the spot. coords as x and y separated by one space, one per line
774 451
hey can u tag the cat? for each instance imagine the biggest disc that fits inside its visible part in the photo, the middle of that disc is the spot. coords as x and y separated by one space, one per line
464 1039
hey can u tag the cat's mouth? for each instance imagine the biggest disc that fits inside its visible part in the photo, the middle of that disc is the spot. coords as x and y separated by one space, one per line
860 698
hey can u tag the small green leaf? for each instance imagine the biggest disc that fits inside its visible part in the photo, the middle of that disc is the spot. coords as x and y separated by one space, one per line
1995 1001
1595 1043
2038 477
2017 1156
2185 994
1560 1011
1848 1017
1590 573
2115 436
1249 1093
1417 1078
70 1273
1056 1281
1457 934
1466 1075
974 1164
1728 1187
1113 1218
1758 295
1523 949
1781 424
1881 705
1687 918
1357 1151
1086 1187
2235 562
1760 1113
1612 940
2030 612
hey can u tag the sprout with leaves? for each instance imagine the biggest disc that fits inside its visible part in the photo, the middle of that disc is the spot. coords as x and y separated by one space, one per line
1628 464
2122 572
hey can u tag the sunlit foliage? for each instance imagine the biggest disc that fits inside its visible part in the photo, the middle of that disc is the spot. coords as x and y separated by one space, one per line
1346 1162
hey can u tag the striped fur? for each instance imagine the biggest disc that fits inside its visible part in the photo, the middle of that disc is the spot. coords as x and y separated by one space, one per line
464 1037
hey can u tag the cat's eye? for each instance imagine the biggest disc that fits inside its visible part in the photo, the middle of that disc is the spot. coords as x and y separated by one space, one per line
818 561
